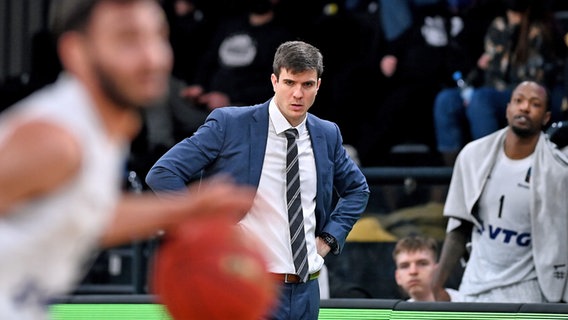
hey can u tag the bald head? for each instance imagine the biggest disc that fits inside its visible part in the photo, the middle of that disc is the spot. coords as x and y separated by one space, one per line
528 111
538 89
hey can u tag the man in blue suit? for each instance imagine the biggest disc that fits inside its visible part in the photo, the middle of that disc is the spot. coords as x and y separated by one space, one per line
251 144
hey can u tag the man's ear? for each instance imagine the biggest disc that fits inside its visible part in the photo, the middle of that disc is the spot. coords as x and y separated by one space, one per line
274 80
72 52
546 118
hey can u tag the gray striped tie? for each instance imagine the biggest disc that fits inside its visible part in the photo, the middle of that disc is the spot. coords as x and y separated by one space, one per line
294 202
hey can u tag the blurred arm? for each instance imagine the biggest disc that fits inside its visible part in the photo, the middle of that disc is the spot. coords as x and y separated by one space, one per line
142 216
453 249
35 159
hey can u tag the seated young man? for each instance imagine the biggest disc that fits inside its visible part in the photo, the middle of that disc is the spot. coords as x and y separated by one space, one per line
416 258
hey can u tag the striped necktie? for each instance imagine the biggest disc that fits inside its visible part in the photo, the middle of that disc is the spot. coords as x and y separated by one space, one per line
294 204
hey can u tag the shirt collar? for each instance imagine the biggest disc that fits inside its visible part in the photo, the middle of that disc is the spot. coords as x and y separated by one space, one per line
280 123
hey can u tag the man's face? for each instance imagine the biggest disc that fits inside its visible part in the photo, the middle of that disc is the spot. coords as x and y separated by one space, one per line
527 112
295 93
414 271
128 52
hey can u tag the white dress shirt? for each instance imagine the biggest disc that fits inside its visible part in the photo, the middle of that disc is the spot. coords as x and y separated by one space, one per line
268 217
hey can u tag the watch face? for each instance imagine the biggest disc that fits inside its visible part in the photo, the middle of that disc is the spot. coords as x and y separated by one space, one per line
329 240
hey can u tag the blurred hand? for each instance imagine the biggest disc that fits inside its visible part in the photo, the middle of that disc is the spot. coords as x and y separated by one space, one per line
322 247
146 215
514 18
483 61
192 92
183 8
388 65
437 285
218 197
214 100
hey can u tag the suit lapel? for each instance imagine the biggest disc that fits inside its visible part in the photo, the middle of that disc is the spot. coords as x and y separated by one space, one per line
258 130
319 147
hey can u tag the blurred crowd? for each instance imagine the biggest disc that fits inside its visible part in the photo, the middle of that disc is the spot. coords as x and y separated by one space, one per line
389 64
435 73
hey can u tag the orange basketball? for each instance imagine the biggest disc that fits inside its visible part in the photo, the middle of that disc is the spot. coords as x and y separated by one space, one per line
207 269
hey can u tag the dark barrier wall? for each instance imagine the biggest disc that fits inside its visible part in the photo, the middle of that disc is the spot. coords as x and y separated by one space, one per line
141 307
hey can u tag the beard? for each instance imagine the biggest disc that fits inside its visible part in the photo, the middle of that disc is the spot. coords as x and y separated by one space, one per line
111 87
112 90
524 132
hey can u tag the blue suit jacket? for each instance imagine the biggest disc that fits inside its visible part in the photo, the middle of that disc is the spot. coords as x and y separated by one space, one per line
233 141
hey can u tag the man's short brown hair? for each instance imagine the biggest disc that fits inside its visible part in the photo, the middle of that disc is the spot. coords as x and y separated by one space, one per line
415 243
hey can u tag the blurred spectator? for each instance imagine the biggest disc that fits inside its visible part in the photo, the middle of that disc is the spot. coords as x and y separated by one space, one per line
415 258
233 71
190 30
413 68
508 199
523 45
298 16
397 15
345 38
560 9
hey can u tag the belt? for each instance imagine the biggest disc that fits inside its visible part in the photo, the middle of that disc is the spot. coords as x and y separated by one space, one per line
292 278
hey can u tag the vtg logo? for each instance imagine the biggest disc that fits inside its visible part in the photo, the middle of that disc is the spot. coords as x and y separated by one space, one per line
506 235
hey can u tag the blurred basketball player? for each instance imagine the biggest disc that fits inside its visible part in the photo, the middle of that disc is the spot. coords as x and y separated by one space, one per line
62 152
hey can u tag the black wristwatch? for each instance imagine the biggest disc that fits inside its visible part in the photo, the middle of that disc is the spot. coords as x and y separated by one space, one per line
330 241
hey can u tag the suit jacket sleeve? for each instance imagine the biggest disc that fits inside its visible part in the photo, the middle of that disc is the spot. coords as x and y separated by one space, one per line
185 161
350 188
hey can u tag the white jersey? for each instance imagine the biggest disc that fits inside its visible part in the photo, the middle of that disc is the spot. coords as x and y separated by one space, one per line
501 250
45 243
